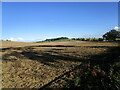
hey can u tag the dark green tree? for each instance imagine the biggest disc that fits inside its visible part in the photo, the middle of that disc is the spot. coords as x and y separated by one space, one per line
111 35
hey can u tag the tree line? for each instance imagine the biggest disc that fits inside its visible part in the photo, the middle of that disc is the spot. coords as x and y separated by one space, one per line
108 36
54 39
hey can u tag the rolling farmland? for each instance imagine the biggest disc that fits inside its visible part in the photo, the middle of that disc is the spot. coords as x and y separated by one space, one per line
35 65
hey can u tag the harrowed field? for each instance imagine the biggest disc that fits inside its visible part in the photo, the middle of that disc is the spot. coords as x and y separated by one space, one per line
33 65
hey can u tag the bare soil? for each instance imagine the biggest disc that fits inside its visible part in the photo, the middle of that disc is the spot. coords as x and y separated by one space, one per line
39 63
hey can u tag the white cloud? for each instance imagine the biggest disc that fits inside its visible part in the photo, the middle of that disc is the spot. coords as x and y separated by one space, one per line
117 28
16 39
24 40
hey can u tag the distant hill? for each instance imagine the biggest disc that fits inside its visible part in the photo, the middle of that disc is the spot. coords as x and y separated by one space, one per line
59 39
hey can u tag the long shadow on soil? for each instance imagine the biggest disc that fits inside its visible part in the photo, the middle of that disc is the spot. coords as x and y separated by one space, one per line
105 60
49 56
73 46
52 55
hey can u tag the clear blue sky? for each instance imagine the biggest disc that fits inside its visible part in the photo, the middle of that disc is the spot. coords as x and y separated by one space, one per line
27 21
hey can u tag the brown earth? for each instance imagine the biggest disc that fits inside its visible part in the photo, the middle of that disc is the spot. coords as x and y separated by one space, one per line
33 67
